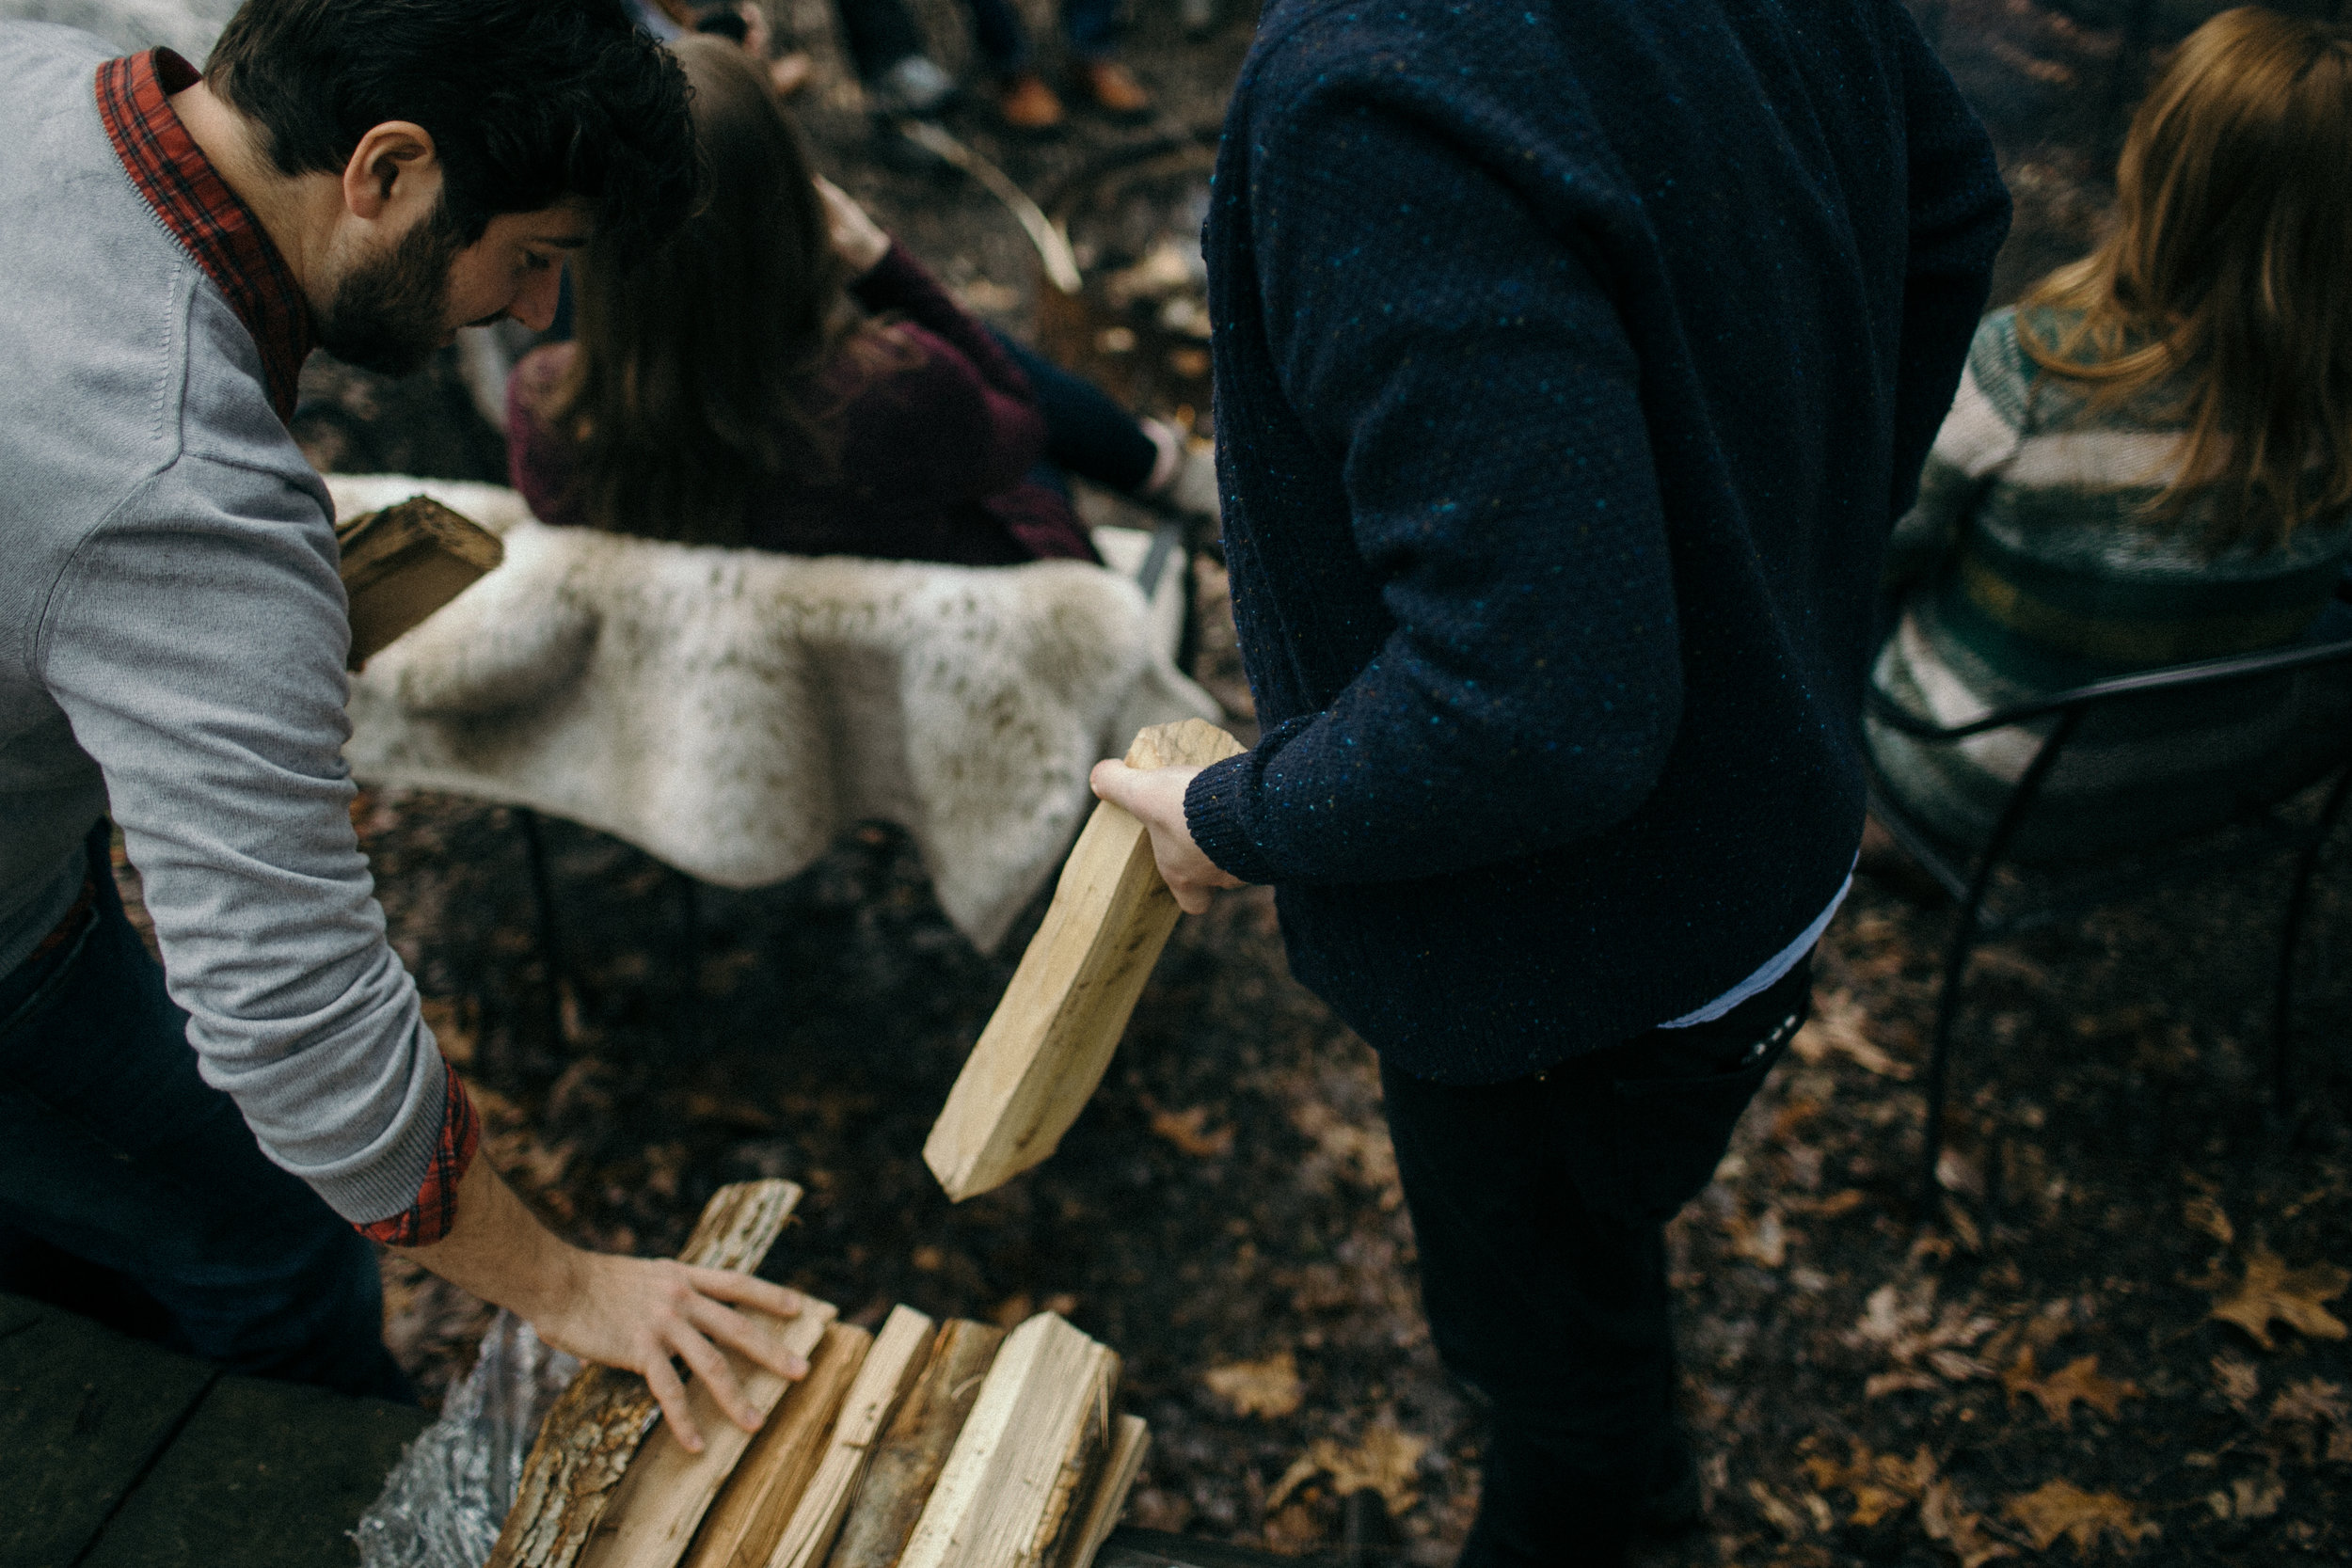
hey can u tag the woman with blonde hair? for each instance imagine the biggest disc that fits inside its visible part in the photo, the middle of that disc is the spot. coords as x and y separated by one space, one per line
782 375
2150 461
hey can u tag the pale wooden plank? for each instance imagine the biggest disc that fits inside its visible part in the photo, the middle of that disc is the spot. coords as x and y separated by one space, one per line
1029 1454
585 1444
913 1446
890 1369
1046 1046
761 1492
653 1514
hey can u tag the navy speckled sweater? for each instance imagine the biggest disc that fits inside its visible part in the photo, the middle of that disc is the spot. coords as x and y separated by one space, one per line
1574 359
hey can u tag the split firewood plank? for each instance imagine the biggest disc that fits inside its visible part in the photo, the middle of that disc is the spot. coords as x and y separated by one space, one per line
1129 1444
741 1527
1046 1046
890 1369
1016 1485
913 1446
401 565
586 1442
656 1510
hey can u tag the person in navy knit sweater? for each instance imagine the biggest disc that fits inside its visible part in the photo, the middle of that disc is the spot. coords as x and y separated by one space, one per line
1574 360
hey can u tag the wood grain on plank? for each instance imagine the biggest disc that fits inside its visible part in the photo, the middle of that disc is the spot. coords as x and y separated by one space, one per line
759 1495
586 1442
915 1445
890 1370
1046 1046
1015 1485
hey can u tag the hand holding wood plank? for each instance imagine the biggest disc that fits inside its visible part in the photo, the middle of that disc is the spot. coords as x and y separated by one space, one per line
1046 1048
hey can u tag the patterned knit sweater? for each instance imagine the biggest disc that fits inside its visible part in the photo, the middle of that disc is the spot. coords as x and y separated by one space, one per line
2032 565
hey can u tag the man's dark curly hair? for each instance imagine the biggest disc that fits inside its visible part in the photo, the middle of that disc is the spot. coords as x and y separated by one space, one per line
528 101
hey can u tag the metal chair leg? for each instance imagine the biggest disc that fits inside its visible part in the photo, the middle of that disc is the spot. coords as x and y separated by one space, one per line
1966 922
543 906
2298 897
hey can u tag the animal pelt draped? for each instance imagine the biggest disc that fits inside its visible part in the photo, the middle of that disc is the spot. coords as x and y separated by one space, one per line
731 711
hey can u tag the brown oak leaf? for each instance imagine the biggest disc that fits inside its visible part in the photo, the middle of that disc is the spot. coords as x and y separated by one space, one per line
2059 1392
1189 1131
2061 1508
1385 1459
1266 1388
2272 1292
2238 1379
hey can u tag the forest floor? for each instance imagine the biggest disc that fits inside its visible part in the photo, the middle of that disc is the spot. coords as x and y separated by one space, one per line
2115 1337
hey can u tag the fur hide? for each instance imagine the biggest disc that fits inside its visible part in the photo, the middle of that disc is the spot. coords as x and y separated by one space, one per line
731 711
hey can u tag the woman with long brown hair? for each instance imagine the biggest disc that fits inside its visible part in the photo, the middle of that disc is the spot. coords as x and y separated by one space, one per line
2150 461
782 375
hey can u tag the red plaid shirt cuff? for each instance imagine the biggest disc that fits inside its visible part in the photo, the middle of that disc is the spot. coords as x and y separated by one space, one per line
428 1219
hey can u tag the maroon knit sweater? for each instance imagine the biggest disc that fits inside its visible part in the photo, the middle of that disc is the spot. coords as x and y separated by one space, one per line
936 444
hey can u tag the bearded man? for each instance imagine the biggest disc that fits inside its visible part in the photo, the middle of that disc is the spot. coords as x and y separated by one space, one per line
365 175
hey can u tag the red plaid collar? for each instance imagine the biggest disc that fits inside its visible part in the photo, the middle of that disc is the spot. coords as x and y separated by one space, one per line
202 211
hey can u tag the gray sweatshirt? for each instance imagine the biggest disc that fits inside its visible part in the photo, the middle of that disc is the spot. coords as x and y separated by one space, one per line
172 634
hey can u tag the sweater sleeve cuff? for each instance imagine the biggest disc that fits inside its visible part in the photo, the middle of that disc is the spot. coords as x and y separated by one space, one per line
428 1218
1212 815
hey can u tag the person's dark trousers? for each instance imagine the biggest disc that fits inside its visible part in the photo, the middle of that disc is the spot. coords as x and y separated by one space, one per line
1086 431
1538 1210
114 1154
1090 25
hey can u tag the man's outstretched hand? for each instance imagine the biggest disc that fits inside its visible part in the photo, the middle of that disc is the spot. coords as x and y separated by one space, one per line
1157 797
633 1313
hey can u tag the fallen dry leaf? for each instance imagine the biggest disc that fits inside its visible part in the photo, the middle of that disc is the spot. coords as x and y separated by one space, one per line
2201 1213
1882 1484
1268 1388
1785 1519
2061 1508
1385 1459
2238 1379
1961 1532
1765 1242
2272 1292
1188 1131
2079 1380
2248 1497
2314 1401
1840 1024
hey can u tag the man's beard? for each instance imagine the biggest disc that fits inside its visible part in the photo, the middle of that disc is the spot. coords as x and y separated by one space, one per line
391 313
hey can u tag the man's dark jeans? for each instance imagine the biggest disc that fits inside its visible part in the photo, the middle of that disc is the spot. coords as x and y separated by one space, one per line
1538 1210
118 1165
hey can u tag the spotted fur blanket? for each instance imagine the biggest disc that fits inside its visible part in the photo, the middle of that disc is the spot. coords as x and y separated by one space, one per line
732 711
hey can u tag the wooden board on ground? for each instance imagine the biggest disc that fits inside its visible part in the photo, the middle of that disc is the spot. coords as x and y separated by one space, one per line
266 1475
401 565
1128 1446
761 1491
1046 1046
890 1370
914 1446
586 1442
84 1412
653 1514
1016 1485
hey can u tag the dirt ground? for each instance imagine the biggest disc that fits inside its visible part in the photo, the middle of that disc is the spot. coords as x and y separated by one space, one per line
2117 1338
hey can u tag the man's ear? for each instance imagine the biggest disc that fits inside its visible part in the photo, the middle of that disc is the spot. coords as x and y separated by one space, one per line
394 166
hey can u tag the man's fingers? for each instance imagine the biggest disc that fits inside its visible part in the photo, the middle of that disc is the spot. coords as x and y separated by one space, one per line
716 1375
747 1336
746 1291
1110 781
670 1394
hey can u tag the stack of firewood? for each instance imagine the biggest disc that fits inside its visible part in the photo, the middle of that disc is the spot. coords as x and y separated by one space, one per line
918 1446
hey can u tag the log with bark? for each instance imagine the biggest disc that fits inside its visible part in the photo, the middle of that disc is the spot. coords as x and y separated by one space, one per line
1046 1046
585 1444
890 1371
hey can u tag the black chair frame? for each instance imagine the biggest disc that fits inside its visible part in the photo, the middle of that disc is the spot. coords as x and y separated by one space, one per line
1969 879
